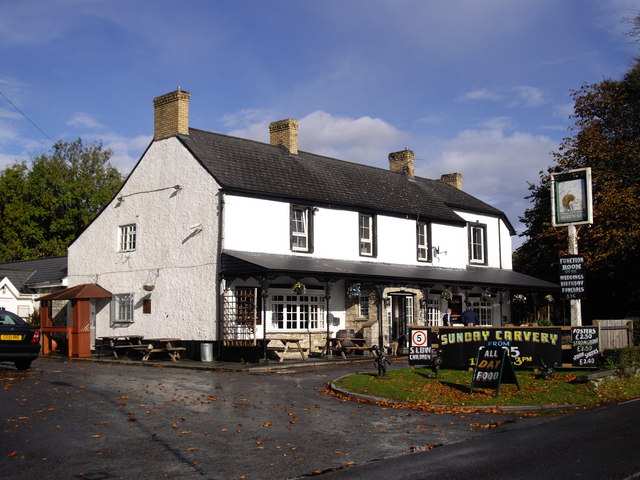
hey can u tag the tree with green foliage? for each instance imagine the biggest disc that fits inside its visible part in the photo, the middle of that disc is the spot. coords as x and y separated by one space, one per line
607 139
46 204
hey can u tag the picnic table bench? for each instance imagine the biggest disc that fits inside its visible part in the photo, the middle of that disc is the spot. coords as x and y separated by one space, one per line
287 345
159 345
117 343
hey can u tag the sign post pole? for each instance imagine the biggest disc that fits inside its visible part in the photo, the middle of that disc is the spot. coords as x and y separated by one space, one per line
575 305
571 205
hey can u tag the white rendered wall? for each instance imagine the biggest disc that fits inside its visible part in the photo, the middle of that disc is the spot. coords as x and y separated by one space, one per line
170 254
257 225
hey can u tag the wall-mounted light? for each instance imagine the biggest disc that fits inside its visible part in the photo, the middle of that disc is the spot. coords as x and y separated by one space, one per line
438 252
177 187
196 228
387 301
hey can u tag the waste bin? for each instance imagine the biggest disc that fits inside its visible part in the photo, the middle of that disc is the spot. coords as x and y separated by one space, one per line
206 352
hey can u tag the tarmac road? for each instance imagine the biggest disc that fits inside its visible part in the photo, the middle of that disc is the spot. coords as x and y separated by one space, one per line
89 420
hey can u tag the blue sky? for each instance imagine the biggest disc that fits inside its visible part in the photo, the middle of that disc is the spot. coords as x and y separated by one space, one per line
480 87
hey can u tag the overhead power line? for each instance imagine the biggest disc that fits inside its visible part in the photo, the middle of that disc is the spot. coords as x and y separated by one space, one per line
25 116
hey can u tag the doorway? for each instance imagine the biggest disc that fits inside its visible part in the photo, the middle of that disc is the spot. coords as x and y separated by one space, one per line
399 316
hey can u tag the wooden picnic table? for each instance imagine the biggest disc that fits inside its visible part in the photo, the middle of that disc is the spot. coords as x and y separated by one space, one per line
291 344
160 345
118 343
346 346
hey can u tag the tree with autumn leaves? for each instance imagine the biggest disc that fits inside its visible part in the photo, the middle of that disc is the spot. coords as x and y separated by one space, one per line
47 203
606 137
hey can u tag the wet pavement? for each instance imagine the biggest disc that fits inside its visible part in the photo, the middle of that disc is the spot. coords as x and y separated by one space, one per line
101 418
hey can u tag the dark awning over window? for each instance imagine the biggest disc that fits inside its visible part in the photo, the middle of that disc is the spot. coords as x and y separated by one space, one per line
243 264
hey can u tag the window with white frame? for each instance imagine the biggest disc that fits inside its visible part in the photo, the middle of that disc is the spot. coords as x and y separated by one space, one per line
434 317
363 306
127 238
122 308
367 235
483 311
477 243
301 228
423 235
298 312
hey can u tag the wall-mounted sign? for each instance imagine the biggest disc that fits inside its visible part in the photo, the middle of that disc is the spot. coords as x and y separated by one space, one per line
527 346
571 201
572 281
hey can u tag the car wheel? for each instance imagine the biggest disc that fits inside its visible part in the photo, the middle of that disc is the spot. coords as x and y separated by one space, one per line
22 364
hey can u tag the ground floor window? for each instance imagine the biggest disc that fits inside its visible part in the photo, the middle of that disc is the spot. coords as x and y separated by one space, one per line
122 308
434 315
483 310
298 312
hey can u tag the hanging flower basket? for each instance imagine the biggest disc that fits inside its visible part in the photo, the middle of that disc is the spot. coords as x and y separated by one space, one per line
447 295
354 291
485 296
549 298
299 288
519 298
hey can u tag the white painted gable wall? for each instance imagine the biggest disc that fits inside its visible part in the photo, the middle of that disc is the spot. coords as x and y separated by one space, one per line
168 254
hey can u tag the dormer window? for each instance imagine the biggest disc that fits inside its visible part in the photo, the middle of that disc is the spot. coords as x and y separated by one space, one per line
301 220
478 243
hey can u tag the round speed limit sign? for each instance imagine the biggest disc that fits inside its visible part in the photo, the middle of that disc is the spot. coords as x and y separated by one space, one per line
418 338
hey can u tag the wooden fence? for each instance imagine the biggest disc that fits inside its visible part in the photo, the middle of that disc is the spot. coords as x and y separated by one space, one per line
615 333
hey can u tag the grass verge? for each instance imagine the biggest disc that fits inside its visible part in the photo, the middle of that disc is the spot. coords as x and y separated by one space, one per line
419 387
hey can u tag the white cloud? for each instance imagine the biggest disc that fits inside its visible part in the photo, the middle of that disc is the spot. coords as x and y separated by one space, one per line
520 95
496 166
126 151
84 120
482 94
362 140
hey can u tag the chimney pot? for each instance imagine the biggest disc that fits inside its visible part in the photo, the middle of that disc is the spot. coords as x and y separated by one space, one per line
402 162
453 179
285 132
171 114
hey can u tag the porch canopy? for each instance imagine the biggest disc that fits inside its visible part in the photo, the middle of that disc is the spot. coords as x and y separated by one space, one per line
78 334
243 264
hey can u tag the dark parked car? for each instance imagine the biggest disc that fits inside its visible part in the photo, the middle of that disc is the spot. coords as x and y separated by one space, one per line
19 341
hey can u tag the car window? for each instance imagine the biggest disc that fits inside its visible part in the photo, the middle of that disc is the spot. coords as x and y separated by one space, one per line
7 319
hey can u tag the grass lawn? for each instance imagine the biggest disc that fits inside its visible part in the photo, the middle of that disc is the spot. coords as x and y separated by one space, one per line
419 387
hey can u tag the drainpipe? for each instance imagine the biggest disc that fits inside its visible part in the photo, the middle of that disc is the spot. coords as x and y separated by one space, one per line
379 290
219 294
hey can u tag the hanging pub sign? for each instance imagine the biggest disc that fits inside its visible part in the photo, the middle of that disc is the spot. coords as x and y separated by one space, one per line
493 367
571 201
572 282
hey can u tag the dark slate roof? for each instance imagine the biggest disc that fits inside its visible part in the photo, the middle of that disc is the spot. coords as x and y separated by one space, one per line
245 264
25 275
255 168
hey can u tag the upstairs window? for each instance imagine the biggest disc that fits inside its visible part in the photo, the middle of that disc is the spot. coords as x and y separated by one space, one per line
423 235
127 238
367 235
301 229
478 243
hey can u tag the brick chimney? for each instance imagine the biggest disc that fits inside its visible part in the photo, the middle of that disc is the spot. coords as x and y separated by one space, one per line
453 179
285 133
171 115
402 162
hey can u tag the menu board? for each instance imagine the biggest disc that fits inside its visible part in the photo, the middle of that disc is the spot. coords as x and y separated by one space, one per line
585 347
493 367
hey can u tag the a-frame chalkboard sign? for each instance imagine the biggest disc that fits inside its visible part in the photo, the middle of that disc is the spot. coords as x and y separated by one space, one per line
493 367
